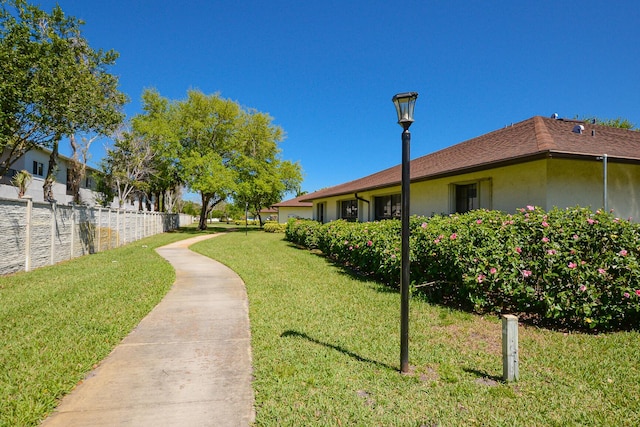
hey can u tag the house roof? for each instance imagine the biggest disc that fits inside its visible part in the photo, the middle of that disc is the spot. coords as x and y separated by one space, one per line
294 203
534 138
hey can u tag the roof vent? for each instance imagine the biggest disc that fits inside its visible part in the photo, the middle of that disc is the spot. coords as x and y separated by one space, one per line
578 129
554 116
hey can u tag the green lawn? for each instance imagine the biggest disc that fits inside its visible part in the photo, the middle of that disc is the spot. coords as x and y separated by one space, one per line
325 344
57 322
326 352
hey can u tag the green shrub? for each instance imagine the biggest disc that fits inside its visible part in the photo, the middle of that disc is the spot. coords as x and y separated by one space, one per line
573 267
303 232
274 227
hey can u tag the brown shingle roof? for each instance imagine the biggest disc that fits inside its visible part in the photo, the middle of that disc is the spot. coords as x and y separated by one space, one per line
537 137
294 203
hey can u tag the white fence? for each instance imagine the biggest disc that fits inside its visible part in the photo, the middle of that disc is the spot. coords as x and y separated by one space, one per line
35 234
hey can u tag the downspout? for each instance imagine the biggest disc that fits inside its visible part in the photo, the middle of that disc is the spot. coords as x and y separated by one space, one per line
605 184
368 205
605 196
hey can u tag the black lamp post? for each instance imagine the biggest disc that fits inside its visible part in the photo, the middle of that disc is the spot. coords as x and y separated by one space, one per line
405 102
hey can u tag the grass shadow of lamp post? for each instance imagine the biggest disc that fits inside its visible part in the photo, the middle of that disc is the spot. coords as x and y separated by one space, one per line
405 103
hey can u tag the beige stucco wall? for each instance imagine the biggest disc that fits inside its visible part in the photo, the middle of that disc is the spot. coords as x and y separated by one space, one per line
545 183
582 184
284 213
506 188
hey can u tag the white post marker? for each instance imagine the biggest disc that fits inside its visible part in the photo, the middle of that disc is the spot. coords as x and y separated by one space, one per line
510 347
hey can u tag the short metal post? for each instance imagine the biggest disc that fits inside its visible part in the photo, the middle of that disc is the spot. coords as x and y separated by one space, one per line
510 347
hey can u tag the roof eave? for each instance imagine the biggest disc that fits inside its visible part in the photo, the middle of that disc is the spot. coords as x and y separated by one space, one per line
488 165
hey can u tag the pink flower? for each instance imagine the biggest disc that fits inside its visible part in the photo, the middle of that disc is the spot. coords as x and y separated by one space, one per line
545 239
626 295
526 273
545 224
436 241
551 252
518 249
369 243
424 225
346 242
583 288
572 265
480 278
531 208
393 256
638 292
602 271
454 236
350 248
478 221
493 270
623 253
590 221
575 237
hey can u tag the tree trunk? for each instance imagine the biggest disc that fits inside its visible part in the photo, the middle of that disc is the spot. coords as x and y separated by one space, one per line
204 211
47 187
75 171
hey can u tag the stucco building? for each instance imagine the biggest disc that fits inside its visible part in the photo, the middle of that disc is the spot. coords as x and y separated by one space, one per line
546 162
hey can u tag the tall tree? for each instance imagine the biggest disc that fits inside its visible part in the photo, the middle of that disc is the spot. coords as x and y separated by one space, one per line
53 83
263 178
155 124
206 126
22 124
128 165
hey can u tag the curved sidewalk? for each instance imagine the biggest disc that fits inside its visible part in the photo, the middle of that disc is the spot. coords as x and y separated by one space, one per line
187 363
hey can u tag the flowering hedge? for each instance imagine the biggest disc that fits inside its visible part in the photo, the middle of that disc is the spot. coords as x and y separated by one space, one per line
573 267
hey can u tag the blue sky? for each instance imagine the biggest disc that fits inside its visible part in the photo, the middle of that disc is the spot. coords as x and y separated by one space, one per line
326 70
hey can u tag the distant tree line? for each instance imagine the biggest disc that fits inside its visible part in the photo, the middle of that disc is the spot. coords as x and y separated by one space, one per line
210 145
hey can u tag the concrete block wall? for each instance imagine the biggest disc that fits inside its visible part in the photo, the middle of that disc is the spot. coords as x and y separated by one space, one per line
35 234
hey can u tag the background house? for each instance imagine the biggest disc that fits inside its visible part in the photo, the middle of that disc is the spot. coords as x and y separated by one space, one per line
294 208
36 162
541 161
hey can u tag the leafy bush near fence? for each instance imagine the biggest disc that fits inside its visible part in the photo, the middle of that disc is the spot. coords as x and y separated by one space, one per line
570 267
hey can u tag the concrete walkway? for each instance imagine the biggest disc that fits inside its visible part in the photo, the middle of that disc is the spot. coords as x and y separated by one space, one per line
188 363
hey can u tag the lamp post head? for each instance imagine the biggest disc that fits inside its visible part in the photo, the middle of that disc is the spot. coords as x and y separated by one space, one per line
405 102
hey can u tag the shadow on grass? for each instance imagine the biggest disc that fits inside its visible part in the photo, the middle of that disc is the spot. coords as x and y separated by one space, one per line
290 333
484 375
352 273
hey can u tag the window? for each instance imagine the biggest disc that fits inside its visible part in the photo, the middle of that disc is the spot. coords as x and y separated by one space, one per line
388 207
38 168
466 197
470 195
349 210
320 211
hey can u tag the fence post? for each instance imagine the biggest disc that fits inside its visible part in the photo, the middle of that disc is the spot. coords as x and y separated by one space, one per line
73 226
98 228
27 238
53 232
118 228
510 347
